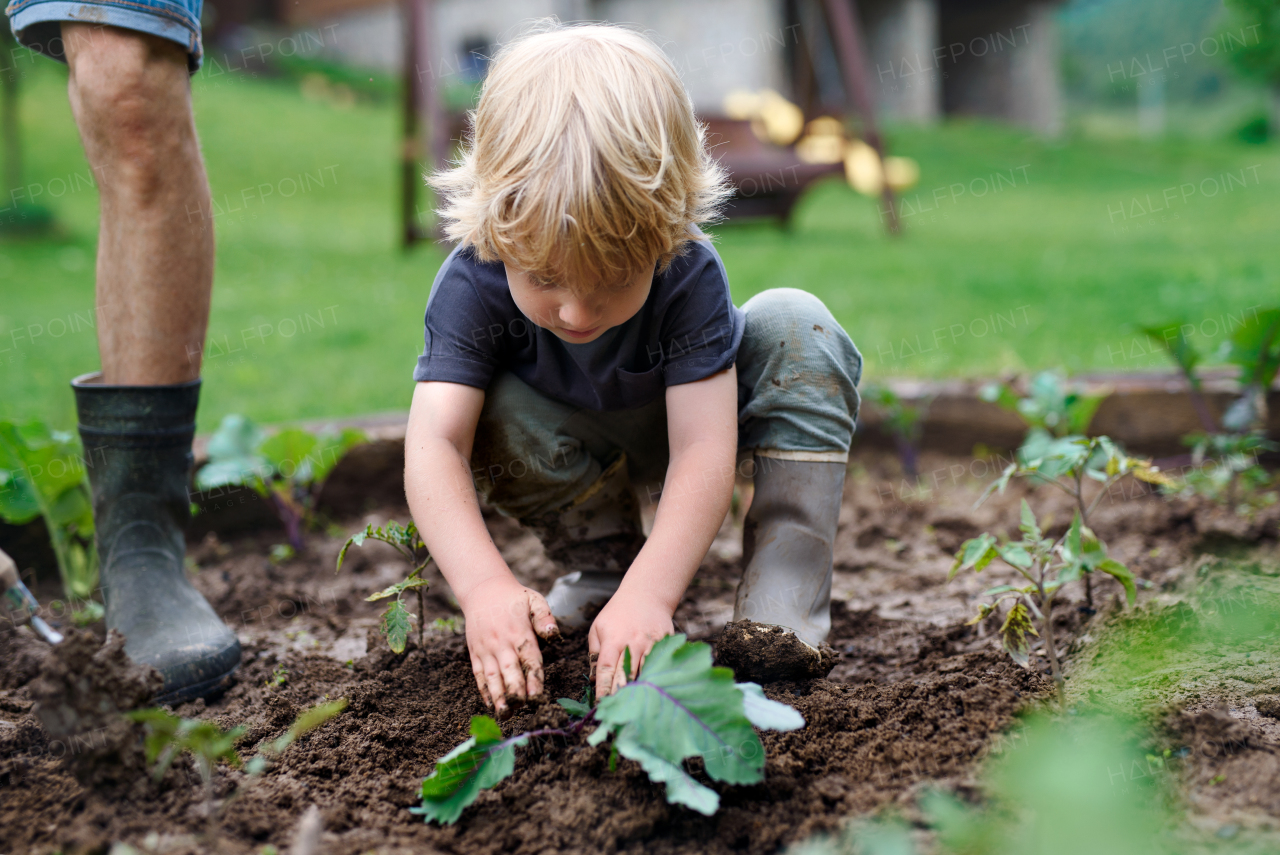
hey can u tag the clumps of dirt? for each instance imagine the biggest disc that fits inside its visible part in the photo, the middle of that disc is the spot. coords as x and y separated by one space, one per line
1269 706
1231 771
765 654
80 697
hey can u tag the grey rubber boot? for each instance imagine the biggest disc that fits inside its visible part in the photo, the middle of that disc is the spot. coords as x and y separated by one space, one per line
137 446
787 544
594 539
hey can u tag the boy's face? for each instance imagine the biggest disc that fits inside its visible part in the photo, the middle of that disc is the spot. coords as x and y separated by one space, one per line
575 316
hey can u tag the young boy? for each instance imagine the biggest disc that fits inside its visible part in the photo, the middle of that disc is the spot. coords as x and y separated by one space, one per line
580 339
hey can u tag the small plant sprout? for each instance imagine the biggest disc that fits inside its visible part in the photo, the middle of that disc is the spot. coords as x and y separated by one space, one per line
905 422
288 468
1049 407
405 539
169 736
1047 565
678 707
1067 463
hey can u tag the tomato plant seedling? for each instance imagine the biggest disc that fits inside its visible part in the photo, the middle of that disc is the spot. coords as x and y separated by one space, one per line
406 540
1067 464
679 706
287 468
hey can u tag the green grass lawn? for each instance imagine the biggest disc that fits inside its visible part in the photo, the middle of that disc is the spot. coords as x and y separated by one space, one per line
317 312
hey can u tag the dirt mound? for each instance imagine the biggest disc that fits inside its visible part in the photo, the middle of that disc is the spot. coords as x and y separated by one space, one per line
765 654
80 696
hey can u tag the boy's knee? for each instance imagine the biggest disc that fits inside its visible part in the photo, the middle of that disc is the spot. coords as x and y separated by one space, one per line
788 307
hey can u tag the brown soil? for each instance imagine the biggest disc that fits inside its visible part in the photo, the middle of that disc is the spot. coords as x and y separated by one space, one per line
915 696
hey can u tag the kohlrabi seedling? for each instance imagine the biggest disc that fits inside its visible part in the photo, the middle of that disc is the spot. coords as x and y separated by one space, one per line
905 422
287 468
405 539
678 707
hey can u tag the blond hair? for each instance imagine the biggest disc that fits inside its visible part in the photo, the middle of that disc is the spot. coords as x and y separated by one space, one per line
584 161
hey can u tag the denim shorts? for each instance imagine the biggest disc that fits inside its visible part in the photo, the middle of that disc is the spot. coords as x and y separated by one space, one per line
37 24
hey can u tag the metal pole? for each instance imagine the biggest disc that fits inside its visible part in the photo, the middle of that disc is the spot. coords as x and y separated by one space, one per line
843 18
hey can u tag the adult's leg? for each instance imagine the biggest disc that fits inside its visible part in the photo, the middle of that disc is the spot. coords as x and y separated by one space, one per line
131 97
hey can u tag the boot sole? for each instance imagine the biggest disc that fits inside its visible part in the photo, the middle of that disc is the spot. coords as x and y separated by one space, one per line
196 690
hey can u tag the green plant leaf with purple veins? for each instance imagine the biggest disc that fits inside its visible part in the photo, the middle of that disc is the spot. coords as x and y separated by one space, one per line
1013 634
480 763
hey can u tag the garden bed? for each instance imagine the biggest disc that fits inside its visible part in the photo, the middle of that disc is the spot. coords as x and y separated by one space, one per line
916 699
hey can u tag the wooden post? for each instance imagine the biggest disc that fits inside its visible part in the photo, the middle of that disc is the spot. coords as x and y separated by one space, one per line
842 15
425 138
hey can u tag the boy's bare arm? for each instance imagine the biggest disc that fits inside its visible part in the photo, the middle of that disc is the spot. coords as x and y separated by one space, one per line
702 423
502 615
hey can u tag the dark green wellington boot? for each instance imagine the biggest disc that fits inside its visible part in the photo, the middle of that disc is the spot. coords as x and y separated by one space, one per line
137 448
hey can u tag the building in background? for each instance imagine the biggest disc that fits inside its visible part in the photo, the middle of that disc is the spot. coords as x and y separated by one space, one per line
927 58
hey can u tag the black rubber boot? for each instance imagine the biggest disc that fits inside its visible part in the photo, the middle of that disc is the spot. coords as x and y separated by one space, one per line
137 447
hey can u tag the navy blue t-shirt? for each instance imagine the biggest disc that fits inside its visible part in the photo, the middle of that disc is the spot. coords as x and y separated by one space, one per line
687 330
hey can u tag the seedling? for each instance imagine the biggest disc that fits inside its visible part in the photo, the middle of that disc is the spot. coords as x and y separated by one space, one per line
168 736
1047 565
905 422
1255 349
288 468
1066 463
405 539
279 677
1238 478
1049 407
678 707
42 474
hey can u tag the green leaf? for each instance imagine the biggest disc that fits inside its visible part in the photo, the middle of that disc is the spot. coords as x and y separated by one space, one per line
976 552
480 763
395 626
1013 634
682 789
577 709
681 706
398 588
309 720
233 455
1015 555
290 453
1028 525
1004 589
1122 575
765 713
356 539
626 661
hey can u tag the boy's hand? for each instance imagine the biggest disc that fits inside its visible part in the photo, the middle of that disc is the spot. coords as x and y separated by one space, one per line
629 620
502 617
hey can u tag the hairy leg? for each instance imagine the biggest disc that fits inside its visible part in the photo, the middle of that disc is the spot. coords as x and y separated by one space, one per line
131 97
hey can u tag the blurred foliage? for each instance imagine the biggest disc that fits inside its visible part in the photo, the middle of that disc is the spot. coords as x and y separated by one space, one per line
43 474
289 467
1259 59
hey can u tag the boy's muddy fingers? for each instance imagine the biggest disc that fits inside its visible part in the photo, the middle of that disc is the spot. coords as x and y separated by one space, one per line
513 676
544 623
531 662
493 684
